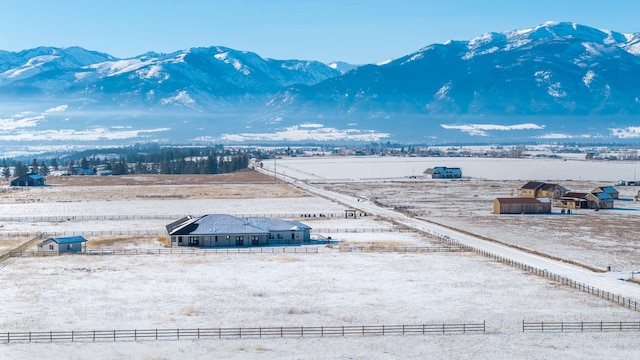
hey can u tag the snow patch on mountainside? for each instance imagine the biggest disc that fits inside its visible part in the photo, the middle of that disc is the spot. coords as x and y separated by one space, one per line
31 68
443 91
118 67
182 98
224 57
587 79
154 71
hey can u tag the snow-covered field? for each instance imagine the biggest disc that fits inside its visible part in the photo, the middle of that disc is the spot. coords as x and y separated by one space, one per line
318 289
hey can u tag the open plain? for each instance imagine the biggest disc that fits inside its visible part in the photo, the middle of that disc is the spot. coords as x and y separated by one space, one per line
325 287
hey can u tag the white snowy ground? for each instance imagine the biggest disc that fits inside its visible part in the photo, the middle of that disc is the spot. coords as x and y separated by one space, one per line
358 168
328 288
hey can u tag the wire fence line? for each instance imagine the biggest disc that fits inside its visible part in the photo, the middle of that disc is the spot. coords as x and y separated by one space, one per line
402 249
616 298
158 232
178 251
580 326
250 332
58 218
44 235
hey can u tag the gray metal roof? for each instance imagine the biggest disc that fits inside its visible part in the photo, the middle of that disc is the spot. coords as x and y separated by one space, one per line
216 224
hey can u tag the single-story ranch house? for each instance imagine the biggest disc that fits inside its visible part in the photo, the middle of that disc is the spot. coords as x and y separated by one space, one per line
72 244
225 230
442 172
32 179
521 205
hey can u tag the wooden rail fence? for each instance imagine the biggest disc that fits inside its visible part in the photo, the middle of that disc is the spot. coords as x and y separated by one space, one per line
254 332
620 300
580 326
403 249
160 217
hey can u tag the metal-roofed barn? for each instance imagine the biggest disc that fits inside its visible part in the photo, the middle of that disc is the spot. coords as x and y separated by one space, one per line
215 230
521 205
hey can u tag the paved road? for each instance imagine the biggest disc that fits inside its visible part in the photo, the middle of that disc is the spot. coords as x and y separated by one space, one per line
608 282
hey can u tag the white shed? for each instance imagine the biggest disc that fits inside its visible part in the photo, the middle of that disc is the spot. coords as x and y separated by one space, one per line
71 244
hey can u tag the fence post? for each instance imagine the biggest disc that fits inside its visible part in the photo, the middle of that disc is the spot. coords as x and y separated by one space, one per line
114 335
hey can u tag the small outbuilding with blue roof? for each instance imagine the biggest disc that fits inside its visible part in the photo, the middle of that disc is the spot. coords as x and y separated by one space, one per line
61 245
32 179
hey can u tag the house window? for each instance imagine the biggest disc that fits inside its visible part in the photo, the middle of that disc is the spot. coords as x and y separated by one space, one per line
255 240
179 239
279 236
270 236
69 246
51 247
239 240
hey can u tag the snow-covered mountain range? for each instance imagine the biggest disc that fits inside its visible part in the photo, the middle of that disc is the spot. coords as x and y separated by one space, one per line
556 81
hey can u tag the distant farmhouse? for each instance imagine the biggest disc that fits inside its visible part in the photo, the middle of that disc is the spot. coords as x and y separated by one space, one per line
31 179
598 198
62 245
225 230
521 205
612 191
442 172
536 189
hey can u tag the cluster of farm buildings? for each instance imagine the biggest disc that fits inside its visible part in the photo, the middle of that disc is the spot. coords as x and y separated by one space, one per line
538 198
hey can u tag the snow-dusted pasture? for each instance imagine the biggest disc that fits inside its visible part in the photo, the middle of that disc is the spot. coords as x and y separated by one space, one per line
329 168
318 289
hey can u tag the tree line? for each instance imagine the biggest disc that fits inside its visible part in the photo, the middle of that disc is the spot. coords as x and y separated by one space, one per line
136 160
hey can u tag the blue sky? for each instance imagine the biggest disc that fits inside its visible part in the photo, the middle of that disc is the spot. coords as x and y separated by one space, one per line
356 31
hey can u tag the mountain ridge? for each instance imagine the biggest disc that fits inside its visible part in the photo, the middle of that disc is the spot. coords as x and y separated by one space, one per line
565 80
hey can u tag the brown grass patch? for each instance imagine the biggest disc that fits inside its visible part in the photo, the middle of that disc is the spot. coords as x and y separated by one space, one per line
113 242
241 177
